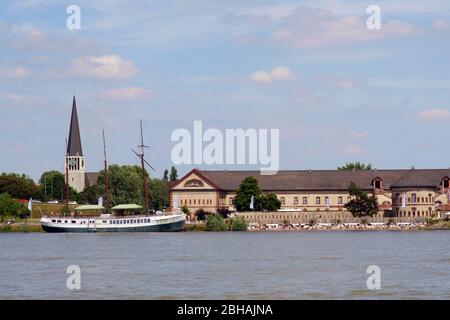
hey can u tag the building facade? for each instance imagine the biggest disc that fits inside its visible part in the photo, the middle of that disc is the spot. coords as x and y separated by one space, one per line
321 193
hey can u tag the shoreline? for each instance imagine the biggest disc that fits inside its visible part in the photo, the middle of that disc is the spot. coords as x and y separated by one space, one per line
36 228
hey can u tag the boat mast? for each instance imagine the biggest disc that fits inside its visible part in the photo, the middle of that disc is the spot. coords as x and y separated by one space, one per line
106 170
141 147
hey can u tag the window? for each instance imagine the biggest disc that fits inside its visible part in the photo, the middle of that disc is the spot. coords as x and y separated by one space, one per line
295 200
193 183
446 183
340 200
305 200
317 200
282 201
231 201
377 184
413 198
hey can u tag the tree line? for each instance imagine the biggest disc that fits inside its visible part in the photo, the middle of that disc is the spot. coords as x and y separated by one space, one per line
125 186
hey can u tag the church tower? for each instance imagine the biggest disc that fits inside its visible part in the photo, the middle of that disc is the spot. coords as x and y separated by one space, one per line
74 163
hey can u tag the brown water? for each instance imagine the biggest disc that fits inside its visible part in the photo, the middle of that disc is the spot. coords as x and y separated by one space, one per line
190 265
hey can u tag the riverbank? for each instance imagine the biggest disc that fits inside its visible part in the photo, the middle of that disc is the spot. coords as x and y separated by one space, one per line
26 227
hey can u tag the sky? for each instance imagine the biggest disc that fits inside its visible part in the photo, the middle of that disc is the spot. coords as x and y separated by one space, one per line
337 91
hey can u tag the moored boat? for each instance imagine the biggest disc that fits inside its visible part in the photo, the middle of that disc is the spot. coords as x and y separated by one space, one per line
115 222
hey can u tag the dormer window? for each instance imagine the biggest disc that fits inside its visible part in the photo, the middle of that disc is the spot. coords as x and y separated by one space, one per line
446 182
377 183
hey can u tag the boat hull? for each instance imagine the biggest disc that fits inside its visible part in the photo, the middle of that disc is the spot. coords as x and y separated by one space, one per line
174 225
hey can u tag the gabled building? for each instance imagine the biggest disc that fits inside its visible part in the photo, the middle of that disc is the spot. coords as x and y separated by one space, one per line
320 192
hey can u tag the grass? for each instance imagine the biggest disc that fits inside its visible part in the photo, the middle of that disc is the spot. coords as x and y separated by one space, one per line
20 227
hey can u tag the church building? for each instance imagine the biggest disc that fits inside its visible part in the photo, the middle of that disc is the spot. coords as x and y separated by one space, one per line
75 162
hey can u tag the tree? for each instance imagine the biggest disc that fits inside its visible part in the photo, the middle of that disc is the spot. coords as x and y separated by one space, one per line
216 223
19 186
173 174
166 175
53 186
158 193
201 214
249 187
270 202
224 212
89 195
125 184
356 166
10 207
361 205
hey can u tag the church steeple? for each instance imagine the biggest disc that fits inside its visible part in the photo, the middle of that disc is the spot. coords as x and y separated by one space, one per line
74 161
74 143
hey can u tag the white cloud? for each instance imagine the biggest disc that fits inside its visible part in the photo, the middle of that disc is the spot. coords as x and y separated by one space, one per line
358 134
441 25
434 114
14 100
128 93
110 67
15 72
277 74
314 27
354 150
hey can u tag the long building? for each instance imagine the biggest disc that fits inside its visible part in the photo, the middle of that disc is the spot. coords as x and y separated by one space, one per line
312 193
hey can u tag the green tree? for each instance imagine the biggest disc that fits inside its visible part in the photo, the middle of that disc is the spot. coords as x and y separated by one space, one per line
158 193
89 195
270 202
53 186
185 209
19 186
173 174
355 166
216 223
124 184
166 175
239 224
9 207
201 214
248 187
361 204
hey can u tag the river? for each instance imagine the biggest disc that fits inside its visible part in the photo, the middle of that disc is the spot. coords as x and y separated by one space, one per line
229 265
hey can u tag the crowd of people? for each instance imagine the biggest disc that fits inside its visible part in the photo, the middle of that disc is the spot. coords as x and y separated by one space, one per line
340 226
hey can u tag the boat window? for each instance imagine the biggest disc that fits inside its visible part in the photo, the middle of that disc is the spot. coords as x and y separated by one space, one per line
53 220
104 221
73 221
58 221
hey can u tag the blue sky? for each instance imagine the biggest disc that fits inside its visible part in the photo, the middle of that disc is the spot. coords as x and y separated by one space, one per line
337 91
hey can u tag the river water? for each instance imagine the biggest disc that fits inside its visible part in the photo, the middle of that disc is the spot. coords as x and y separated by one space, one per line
230 265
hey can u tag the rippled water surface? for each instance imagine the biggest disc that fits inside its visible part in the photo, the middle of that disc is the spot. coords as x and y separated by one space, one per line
202 265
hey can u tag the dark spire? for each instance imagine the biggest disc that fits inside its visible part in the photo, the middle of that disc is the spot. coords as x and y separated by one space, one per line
74 144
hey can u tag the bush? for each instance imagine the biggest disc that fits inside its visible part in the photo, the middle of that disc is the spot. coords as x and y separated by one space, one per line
216 223
224 212
239 224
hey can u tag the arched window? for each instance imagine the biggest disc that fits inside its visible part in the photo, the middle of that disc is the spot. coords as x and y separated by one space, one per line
194 183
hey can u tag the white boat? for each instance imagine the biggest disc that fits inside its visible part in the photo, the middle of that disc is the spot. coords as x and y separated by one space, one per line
114 222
